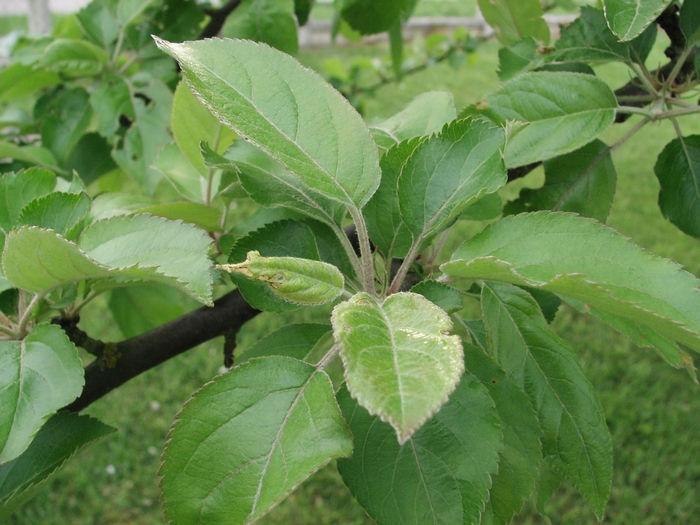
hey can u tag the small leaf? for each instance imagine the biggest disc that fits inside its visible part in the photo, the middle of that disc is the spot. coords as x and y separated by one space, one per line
63 118
58 440
576 437
207 218
74 58
38 376
302 9
582 181
268 21
678 171
371 16
58 211
519 56
515 20
628 18
37 155
441 475
18 189
129 10
111 104
689 20
440 294
294 340
296 280
18 81
400 363
581 259
247 439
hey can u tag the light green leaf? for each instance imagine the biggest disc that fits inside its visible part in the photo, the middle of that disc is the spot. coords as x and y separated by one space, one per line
128 10
180 173
426 114
519 461
74 57
689 19
296 280
207 218
286 110
99 22
108 205
30 154
514 20
38 376
582 259
517 57
56 442
18 189
58 211
440 294
121 248
576 437
628 18
564 110
582 181
440 476
19 81
247 439
294 340
678 171
400 362
268 21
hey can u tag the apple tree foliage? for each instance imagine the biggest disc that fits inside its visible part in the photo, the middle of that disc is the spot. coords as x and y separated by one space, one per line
124 174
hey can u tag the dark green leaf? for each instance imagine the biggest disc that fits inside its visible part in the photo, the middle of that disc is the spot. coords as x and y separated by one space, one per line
443 295
519 56
99 22
111 103
302 9
514 20
396 45
371 16
18 190
64 119
58 211
74 57
91 158
268 21
294 340
690 21
486 208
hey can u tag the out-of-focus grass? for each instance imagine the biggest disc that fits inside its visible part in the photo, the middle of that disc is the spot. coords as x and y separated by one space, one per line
652 409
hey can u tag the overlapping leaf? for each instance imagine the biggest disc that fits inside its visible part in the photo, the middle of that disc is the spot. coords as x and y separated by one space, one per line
289 112
38 376
515 20
268 21
400 362
576 437
58 211
294 340
584 260
245 440
628 18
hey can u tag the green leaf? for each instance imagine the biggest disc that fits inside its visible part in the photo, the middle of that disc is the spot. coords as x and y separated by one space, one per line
74 57
58 440
294 340
425 114
180 173
689 20
396 45
268 21
287 111
628 18
207 218
140 308
582 181
19 189
192 123
486 208
564 111
121 248
247 439
29 154
286 238
270 184
441 475
678 171
521 56
582 259
64 120
99 22
38 376
111 103
296 280
576 437
400 363
91 158
128 10
519 461
108 205
18 81
440 294
514 20
58 211
371 16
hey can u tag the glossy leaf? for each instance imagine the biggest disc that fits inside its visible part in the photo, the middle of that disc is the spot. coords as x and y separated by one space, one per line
441 475
564 111
628 18
514 20
440 294
425 114
268 21
581 259
678 171
38 376
247 439
74 57
287 111
371 16
296 280
400 362
519 461
58 440
582 181
58 211
576 437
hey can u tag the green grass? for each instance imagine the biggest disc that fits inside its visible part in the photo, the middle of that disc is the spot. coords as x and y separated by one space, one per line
651 408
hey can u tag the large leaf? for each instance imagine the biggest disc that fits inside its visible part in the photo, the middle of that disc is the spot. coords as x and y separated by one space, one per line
582 181
58 211
514 20
288 111
564 111
520 458
268 21
38 376
60 438
400 363
582 259
440 476
245 440
294 340
628 18
678 171
426 114
121 248
576 437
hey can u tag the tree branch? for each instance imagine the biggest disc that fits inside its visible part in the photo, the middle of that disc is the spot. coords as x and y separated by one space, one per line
127 359
217 18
